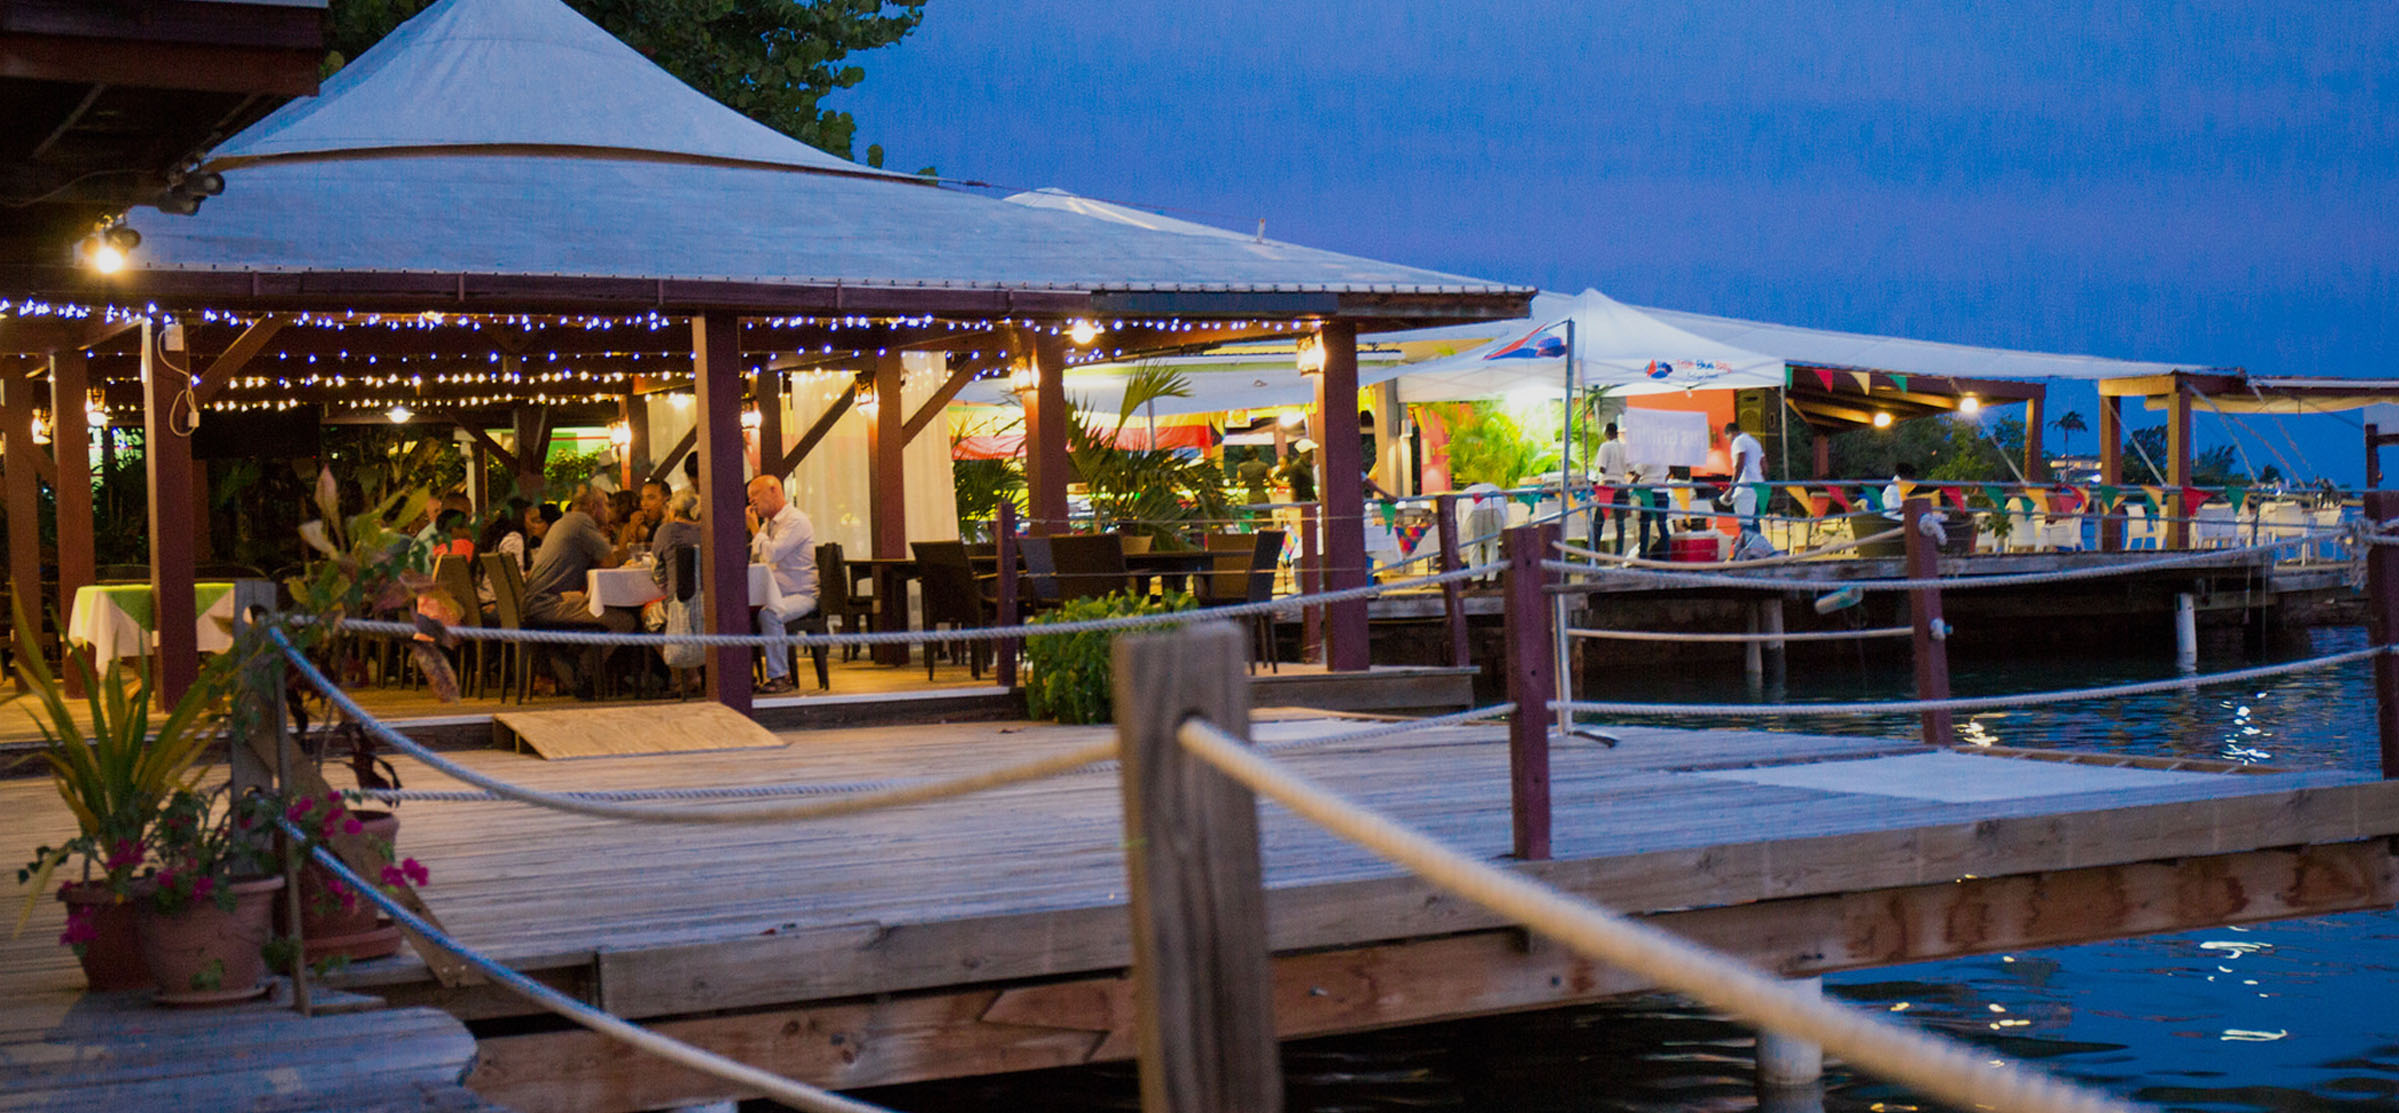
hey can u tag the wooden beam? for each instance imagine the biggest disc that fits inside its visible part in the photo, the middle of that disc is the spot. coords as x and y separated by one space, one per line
886 464
725 551
929 412
666 464
766 393
817 432
238 355
167 450
1194 883
1342 494
506 458
44 335
955 1032
71 444
22 505
1048 471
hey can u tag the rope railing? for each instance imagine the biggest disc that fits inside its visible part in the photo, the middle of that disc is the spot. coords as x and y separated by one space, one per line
791 1092
1942 1068
549 636
1945 583
643 813
1795 636
1757 562
1969 703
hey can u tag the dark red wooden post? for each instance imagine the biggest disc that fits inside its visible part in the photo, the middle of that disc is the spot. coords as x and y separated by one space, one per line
725 552
1047 467
169 456
1344 496
1924 612
886 467
1532 684
2111 470
1453 593
23 502
2382 622
766 393
72 442
1005 529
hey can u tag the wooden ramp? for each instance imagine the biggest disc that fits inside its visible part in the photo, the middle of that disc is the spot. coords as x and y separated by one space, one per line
117 1051
657 728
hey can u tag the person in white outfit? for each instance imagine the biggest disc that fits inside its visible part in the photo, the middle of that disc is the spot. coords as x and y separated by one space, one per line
1613 472
781 538
1749 467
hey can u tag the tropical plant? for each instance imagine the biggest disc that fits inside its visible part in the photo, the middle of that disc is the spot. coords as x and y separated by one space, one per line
116 780
1154 491
2068 424
1487 445
1067 676
982 485
205 840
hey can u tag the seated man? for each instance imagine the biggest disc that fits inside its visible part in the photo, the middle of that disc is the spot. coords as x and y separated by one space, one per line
554 589
782 539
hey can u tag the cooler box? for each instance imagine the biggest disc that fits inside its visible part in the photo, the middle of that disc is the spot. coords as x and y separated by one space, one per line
1698 546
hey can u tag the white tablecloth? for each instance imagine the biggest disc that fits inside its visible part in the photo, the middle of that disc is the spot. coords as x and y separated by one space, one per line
97 621
632 586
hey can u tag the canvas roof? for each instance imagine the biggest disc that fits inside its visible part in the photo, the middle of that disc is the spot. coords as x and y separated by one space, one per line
1614 345
515 137
1854 351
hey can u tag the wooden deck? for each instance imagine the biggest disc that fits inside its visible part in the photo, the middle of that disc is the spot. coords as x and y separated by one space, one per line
989 934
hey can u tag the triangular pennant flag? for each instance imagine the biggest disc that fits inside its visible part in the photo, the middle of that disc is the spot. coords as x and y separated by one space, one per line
1813 507
1824 376
1996 492
1384 507
1409 535
2192 499
1764 493
1868 499
2071 500
2157 499
2038 498
1955 495
1841 498
2109 496
1682 497
2237 496
1864 379
1900 381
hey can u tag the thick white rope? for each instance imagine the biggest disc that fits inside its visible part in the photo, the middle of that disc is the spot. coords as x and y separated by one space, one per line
1942 583
714 792
798 1095
1756 562
1799 636
641 813
1969 703
547 636
1949 1071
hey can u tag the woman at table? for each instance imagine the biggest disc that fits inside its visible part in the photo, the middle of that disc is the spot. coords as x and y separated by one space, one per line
505 533
680 530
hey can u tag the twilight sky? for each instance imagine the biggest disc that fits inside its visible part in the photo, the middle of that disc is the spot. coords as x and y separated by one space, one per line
2215 183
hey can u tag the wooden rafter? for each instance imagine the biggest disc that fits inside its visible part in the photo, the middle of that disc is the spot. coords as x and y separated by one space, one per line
238 355
666 464
506 458
817 432
931 411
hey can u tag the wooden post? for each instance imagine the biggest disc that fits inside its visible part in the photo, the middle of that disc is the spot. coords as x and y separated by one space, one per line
2382 621
2373 456
168 454
1047 468
1823 462
1532 684
1924 613
1343 496
532 446
1203 992
2036 459
767 394
23 508
724 548
886 471
71 441
2178 464
637 422
1005 528
1453 593
2111 468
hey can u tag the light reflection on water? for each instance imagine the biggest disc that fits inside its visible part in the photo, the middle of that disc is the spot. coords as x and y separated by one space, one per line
2298 1015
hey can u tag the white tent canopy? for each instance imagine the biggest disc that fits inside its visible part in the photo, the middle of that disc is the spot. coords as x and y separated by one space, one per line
1615 346
1854 351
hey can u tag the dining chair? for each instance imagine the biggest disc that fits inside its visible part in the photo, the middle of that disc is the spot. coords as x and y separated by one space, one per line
508 611
945 575
1089 565
1040 585
837 595
454 576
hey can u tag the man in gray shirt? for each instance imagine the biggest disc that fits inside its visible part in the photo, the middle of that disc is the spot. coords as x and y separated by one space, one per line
554 588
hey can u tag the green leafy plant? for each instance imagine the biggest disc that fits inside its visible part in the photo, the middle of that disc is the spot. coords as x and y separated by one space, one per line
1067 675
982 485
116 780
206 840
1158 492
1486 445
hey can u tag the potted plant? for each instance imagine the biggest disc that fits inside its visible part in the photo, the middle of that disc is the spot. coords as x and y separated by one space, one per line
203 919
115 782
335 925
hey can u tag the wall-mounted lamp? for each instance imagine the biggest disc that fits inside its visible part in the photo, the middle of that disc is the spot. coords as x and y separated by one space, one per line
620 435
108 249
1970 405
751 418
41 427
1024 378
1082 332
864 398
1311 354
1882 419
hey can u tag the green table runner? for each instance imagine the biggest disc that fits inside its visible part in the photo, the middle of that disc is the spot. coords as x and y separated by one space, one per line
137 602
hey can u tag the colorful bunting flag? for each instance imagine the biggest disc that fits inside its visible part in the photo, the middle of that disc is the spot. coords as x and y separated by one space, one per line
1409 535
2192 499
2237 496
1814 507
1824 376
1900 381
2157 499
1864 379
1955 495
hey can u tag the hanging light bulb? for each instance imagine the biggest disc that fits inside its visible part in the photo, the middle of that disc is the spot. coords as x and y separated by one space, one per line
1082 332
399 414
95 410
620 435
751 418
1882 419
1311 355
1970 405
41 427
1024 378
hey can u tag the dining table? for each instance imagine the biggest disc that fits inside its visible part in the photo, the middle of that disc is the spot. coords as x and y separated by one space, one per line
118 620
632 585
1170 570
891 576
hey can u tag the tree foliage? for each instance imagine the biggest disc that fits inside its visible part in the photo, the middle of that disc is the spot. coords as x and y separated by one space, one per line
770 60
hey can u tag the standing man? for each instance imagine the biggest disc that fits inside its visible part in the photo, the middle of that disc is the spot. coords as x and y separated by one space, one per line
1613 472
1749 468
782 539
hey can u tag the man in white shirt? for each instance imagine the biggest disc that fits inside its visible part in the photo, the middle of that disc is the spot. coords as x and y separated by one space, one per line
782 539
1749 467
1613 473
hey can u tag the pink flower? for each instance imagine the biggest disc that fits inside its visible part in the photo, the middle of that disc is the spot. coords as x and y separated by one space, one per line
352 827
299 811
416 872
123 854
202 887
82 926
393 878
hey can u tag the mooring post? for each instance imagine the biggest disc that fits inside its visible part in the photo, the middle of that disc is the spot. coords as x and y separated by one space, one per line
1787 1061
1753 651
1311 581
2382 620
1778 662
1453 593
1532 684
1924 613
262 756
2186 631
1203 993
1006 651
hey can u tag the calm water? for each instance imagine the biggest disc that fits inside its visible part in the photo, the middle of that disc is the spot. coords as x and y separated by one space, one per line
2297 1015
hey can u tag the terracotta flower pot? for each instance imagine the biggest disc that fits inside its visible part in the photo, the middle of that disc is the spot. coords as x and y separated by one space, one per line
103 926
204 955
331 926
